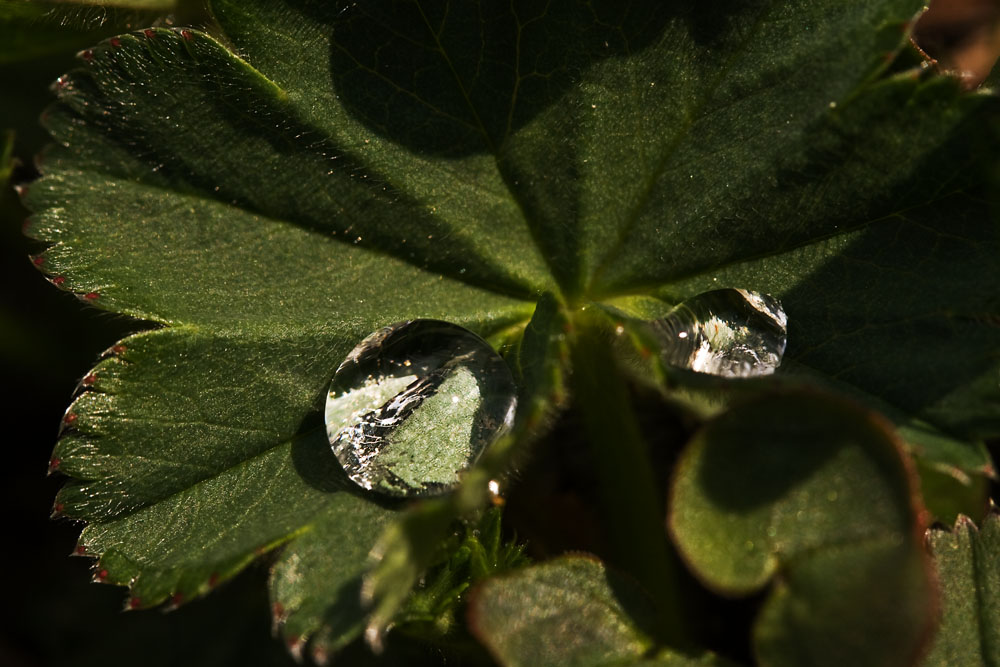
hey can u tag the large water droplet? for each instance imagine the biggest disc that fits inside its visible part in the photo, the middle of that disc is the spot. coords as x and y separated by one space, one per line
415 404
728 332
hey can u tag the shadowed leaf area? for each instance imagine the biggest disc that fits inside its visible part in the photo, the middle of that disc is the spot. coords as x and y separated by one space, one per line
268 195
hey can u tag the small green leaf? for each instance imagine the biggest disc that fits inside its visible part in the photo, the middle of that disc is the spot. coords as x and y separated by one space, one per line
569 611
814 495
968 568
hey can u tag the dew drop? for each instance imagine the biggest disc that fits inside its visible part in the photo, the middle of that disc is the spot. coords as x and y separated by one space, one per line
415 404
727 332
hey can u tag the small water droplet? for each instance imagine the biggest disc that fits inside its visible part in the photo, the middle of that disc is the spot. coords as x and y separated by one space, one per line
727 332
415 404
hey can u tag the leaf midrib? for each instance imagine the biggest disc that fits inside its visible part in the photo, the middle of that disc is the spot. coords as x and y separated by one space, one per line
650 288
531 222
691 116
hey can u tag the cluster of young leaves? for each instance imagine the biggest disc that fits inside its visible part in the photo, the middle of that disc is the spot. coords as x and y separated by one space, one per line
480 552
545 174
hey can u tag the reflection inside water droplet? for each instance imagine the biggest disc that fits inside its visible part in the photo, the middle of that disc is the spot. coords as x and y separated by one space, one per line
728 332
415 404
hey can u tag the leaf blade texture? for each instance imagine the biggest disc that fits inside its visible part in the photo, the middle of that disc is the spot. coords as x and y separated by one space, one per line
272 195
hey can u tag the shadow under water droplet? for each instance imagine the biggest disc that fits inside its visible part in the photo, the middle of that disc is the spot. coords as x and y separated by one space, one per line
313 460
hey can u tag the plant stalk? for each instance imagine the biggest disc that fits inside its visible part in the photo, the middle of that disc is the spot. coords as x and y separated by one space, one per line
633 508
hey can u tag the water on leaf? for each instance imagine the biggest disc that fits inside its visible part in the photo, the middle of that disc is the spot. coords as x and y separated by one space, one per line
728 332
415 404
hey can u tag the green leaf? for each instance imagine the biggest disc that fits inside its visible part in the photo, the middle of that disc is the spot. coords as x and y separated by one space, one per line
569 610
968 569
815 496
360 164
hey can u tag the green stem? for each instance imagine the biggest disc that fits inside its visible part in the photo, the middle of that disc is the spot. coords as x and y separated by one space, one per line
634 519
